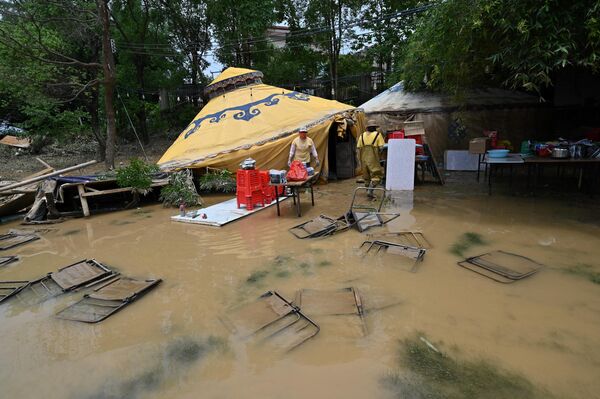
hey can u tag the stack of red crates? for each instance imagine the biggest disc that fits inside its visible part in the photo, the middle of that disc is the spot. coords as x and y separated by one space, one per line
267 189
249 188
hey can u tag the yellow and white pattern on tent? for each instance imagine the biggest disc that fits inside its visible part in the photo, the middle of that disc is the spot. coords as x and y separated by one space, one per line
257 120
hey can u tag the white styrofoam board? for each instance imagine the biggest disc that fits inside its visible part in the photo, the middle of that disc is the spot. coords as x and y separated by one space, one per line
220 214
400 172
460 160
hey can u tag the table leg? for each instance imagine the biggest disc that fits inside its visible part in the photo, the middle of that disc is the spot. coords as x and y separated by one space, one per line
298 208
490 172
478 166
277 200
312 195
510 175
84 204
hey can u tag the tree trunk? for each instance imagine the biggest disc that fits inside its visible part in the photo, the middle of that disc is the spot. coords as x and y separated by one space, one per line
141 113
93 108
108 64
195 68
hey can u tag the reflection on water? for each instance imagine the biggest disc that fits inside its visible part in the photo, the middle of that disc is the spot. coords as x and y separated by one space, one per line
544 329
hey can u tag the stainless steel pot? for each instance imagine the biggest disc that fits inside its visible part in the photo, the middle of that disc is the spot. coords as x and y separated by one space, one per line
560 153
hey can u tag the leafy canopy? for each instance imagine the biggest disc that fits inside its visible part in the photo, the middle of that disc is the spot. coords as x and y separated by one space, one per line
465 43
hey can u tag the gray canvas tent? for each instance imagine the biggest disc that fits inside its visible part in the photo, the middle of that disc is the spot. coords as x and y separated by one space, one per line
516 116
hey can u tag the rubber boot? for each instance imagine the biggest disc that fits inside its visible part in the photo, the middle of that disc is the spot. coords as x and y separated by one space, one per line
370 190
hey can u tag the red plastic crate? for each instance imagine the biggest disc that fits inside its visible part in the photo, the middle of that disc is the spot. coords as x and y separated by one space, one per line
267 189
250 198
248 180
396 135
418 141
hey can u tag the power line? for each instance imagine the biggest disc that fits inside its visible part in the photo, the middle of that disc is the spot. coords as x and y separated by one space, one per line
292 35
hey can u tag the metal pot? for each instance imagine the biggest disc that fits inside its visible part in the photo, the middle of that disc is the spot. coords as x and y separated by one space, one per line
560 153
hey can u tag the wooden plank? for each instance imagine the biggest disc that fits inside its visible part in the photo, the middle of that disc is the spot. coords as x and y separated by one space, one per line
105 192
15 141
117 190
44 163
45 176
84 203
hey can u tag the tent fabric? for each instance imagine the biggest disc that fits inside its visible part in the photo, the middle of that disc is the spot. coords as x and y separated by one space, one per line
258 121
396 99
516 116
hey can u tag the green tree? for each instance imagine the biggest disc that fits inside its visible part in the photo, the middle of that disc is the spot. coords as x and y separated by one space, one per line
332 23
146 58
383 32
521 45
188 25
240 29
58 34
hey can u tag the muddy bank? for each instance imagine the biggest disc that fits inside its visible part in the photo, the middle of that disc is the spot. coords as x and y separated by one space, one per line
15 164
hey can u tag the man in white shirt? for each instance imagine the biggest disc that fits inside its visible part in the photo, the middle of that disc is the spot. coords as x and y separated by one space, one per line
303 148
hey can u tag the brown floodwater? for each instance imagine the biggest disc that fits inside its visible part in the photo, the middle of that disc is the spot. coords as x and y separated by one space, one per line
545 328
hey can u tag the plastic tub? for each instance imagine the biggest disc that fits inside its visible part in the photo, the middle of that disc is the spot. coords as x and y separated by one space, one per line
498 153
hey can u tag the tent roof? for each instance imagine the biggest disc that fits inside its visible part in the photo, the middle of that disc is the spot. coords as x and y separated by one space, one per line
251 115
230 73
396 99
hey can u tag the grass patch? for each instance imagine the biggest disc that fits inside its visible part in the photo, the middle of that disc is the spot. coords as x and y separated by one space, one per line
71 232
283 274
257 276
176 357
121 222
141 212
585 271
466 241
435 375
281 260
304 265
324 263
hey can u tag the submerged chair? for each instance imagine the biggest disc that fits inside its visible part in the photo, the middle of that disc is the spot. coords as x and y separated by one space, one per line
107 299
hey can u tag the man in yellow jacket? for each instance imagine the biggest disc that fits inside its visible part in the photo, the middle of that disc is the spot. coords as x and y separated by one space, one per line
302 149
369 145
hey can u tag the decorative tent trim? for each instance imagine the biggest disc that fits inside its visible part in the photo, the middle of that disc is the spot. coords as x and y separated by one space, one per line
232 83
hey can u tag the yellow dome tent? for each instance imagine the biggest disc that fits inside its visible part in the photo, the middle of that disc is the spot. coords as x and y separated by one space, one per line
246 118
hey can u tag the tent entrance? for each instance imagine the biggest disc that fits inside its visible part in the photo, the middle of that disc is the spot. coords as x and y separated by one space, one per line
341 154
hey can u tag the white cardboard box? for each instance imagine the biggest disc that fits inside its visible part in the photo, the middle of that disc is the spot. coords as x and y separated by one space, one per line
400 172
460 160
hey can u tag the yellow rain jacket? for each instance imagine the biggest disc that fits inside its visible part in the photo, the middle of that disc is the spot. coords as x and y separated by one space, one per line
368 146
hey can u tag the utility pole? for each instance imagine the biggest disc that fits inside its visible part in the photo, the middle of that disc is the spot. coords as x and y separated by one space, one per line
110 81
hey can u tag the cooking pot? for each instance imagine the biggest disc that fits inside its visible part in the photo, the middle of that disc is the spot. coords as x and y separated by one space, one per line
560 153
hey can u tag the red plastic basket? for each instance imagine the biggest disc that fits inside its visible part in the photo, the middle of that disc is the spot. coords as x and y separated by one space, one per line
250 198
396 135
248 180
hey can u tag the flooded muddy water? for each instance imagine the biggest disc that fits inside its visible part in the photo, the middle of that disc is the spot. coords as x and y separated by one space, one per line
171 343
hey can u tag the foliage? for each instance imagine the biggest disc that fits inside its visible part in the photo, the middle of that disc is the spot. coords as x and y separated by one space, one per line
137 175
522 45
34 92
180 190
240 27
466 241
586 271
218 181
381 36
334 19
290 66
432 374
